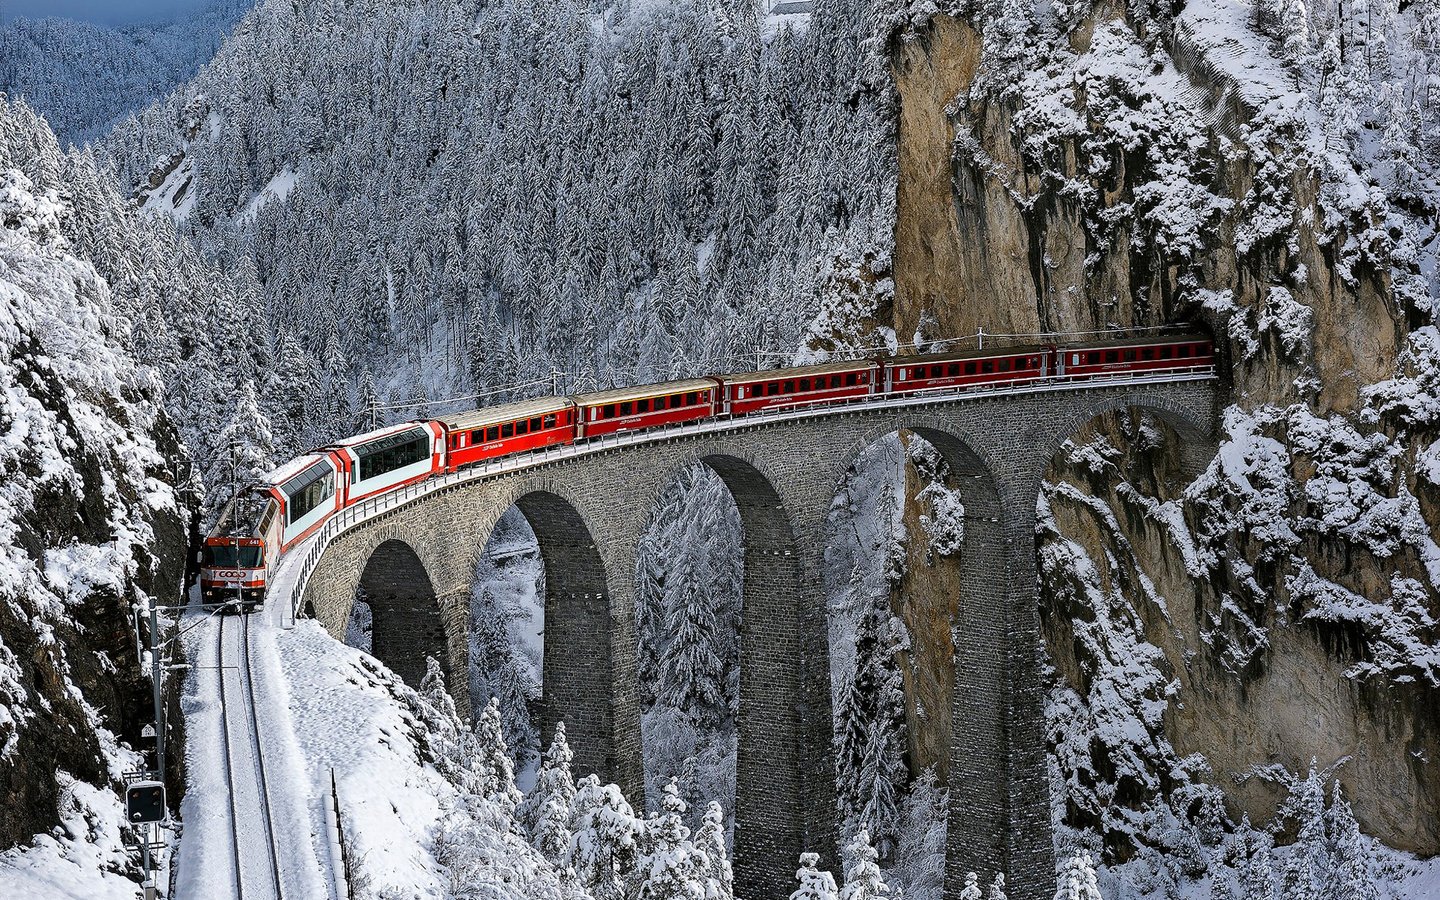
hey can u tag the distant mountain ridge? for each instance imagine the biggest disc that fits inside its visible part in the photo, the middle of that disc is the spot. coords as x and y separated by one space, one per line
86 77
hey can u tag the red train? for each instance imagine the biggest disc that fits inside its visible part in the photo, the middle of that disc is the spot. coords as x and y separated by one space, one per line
269 518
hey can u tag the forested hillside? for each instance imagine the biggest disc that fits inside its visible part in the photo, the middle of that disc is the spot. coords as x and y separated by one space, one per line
85 78
92 511
448 198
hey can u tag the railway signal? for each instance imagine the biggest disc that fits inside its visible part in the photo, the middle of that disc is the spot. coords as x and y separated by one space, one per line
144 802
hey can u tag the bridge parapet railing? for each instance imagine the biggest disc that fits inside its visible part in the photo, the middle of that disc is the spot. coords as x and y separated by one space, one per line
371 507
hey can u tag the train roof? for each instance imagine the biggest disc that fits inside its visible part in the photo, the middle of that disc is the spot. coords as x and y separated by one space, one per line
505 412
1162 337
987 353
375 435
641 392
286 471
830 368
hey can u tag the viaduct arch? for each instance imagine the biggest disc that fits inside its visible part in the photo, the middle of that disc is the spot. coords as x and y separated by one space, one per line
589 507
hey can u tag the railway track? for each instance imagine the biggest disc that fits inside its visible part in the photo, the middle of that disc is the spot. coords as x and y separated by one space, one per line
255 857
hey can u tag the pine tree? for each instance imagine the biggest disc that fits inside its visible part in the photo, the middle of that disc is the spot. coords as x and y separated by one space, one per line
1077 879
495 758
674 869
864 881
971 891
997 888
882 771
368 415
604 842
815 883
1259 874
1349 876
691 672
1308 861
546 813
710 840
247 442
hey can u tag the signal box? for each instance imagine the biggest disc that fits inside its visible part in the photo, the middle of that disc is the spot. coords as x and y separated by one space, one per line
144 802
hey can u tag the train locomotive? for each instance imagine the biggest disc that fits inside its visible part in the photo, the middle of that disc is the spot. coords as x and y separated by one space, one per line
268 518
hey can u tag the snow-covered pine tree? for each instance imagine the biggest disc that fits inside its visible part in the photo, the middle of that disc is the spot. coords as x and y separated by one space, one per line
1349 876
546 813
248 443
997 888
710 840
604 840
1308 860
815 883
971 890
882 770
691 672
918 866
495 757
855 711
368 415
1258 876
674 868
1077 879
865 881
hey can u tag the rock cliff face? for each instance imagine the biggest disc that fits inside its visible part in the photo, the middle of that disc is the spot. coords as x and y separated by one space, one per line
1127 167
90 527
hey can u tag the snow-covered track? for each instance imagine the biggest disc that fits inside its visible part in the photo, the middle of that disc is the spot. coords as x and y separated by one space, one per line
257 861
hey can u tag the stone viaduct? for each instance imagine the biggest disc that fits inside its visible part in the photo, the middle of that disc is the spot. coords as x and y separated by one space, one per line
418 560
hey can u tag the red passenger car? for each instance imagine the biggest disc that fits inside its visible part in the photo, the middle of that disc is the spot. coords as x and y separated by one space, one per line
827 383
961 370
629 409
1168 352
483 434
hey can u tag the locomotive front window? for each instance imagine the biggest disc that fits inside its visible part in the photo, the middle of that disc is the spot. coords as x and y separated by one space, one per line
230 556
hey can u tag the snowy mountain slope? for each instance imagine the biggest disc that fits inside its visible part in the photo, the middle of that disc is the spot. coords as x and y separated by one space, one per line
85 78
91 532
486 192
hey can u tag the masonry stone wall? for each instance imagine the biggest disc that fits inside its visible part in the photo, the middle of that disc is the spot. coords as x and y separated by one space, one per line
589 512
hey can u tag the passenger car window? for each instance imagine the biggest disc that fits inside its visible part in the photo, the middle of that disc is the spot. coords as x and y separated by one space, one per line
507 430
